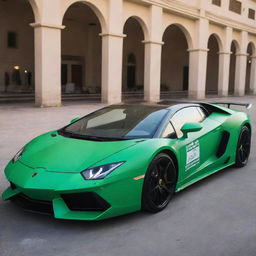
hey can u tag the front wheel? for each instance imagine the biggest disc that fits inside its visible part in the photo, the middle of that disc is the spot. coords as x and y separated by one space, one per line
243 147
159 184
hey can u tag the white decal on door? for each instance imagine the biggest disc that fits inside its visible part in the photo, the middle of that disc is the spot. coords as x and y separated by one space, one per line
193 155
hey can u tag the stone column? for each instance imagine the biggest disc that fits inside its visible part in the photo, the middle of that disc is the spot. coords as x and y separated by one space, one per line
253 75
241 65
47 65
152 73
224 66
197 72
240 75
198 60
224 62
112 55
153 51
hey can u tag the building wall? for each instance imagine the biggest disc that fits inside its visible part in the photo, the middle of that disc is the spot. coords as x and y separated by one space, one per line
160 58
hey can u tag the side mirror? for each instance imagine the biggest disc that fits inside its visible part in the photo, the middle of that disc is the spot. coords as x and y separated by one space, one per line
190 127
74 120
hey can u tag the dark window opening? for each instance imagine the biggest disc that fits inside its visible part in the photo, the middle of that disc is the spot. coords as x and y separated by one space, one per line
12 40
251 14
235 6
216 2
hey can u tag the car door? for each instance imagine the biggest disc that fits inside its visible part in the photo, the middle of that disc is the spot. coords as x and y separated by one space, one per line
198 150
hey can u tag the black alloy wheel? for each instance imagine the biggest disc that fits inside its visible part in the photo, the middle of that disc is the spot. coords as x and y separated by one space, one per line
159 184
243 147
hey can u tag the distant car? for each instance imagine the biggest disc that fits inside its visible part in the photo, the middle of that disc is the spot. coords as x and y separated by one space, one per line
124 158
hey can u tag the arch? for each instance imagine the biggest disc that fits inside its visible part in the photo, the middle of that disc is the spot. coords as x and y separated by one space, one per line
36 11
185 32
236 45
81 62
94 8
218 39
142 24
212 75
133 57
17 71
251 48
174 62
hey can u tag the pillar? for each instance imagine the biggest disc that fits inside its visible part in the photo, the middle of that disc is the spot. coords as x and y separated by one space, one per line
47 65
253 75
241 65
223 80
240 74
197 72
153 51
152 73
198 60
224 62
112 53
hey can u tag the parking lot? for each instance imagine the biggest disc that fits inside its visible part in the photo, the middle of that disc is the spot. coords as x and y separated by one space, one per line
215 217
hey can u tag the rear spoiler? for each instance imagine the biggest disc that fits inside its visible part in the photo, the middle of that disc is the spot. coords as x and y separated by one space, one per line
229 104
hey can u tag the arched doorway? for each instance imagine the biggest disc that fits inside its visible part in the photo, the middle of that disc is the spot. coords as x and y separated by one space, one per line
212 74
175 63
81 51
133 60
250 52
17 54
232 67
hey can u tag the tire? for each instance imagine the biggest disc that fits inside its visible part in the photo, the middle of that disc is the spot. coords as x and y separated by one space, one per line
243 147
159 184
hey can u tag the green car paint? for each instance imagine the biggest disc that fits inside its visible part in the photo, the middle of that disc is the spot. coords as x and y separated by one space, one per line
51 165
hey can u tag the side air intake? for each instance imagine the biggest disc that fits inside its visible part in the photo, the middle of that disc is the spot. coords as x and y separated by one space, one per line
223 144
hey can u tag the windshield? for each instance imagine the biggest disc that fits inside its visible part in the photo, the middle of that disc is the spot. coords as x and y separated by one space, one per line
118 122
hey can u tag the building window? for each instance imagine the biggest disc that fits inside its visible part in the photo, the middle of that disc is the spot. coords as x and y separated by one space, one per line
251 14
235 6
216 2
12 40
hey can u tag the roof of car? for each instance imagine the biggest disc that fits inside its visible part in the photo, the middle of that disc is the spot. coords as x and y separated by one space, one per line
167 104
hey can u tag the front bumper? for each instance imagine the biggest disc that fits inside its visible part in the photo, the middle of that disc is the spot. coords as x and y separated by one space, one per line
69 196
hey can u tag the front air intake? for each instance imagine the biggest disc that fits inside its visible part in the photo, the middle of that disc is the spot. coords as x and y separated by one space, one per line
33 205
88 201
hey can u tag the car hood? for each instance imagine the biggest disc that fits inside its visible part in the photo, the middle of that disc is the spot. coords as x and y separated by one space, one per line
61 154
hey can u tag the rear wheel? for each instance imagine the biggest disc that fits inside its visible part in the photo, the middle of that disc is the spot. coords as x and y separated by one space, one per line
159 184
243 147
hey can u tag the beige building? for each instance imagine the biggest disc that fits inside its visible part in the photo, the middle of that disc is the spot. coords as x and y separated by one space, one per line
111 47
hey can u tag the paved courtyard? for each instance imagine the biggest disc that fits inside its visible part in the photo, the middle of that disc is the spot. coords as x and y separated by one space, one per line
215 217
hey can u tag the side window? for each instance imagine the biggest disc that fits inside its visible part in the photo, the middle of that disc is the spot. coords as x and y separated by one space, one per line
186 115
169 132
202 113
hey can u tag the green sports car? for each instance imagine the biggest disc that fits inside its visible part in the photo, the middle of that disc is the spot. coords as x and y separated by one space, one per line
126 157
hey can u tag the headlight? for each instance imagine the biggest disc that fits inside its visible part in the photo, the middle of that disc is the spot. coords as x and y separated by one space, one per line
100 172
18 155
